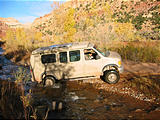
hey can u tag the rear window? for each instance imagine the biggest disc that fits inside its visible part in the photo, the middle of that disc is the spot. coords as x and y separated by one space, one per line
50 58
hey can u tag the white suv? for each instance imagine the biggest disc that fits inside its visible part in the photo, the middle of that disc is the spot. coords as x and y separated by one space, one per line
74 61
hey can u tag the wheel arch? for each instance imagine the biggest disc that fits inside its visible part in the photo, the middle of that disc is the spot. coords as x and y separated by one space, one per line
43 80
44 75
110 67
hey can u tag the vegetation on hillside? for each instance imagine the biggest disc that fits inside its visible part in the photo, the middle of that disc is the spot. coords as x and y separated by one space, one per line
98 21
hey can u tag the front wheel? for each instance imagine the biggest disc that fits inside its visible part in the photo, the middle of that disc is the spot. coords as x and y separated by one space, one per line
49 82
111 77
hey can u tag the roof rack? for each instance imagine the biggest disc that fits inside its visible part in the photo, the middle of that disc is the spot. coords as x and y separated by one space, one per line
60 45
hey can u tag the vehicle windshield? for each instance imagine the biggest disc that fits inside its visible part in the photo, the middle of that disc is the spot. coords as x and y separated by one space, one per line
99 51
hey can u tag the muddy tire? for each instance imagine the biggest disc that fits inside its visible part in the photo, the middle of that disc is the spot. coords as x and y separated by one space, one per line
49 82
111 77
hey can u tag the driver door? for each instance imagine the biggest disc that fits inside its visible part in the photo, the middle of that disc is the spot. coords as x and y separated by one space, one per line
92 63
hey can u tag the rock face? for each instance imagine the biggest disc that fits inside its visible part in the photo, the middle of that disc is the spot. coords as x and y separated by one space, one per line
42 19
3 28
11 22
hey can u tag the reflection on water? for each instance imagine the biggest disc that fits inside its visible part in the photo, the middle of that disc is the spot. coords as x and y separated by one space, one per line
1 51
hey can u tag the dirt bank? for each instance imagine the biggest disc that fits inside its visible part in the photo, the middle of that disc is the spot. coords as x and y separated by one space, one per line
141 68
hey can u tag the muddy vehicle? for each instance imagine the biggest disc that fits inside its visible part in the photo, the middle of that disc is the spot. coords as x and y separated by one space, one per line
50 65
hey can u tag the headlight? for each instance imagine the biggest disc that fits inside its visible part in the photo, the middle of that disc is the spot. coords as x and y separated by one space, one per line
119 63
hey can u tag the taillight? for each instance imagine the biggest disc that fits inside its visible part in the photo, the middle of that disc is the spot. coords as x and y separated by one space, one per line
31 69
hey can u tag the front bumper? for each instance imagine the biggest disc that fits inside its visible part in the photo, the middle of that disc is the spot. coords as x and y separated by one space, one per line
121 69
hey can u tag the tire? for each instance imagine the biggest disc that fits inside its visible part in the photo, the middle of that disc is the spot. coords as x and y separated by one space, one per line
49 81
111 77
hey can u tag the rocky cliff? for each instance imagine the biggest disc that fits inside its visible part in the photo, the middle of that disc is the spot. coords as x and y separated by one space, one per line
3 28
12 22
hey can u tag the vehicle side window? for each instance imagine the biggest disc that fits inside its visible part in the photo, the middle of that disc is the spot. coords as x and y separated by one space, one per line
63 57
89 54
74 55
50 58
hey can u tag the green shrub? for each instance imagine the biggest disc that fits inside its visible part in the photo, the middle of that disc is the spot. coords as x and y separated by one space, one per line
139 53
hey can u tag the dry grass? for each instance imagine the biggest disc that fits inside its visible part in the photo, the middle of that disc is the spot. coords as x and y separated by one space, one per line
10 103
14 104
139 51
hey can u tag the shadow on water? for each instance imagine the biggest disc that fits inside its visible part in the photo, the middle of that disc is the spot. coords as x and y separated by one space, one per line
50 101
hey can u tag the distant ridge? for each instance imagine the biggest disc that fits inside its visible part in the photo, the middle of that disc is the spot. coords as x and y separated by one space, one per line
12 22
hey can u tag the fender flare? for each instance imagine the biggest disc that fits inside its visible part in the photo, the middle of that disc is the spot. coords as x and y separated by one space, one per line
109 67
43 76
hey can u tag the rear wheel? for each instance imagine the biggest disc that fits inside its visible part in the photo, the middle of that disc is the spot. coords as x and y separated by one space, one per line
49 82
111 77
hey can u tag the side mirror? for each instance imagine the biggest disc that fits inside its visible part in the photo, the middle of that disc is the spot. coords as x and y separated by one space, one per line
97 57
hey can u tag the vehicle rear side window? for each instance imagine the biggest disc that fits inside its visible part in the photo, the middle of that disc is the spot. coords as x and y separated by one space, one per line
74 55
50 58
63 57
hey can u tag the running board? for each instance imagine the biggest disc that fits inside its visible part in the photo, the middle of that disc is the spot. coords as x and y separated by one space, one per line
83 78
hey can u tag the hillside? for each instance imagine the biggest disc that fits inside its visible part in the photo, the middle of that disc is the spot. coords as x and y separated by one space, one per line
115 25
102 21
3 28
8 20
11 22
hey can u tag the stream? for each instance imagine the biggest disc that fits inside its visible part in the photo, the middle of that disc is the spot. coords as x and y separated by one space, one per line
8 68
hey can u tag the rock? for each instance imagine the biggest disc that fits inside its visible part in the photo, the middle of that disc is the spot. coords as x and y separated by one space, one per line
105 100
157 109
96 101
92 110
130 116
108 107
74 98
138 110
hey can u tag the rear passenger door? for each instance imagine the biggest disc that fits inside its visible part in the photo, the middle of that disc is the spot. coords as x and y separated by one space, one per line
70 64
63 65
